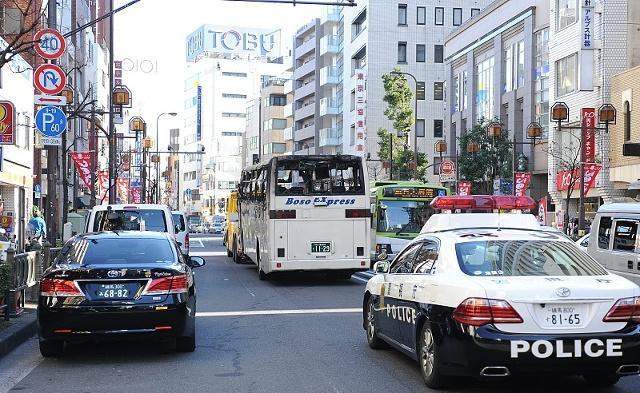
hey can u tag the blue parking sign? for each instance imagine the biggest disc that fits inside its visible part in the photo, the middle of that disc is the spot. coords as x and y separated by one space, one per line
51 121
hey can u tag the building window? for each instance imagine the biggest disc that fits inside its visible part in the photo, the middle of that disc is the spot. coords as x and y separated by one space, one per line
456 93
438 54
475 11
421 17
436 165
457 16
567 13
235 74
627 121
402 52
420 128
508 68
236 96
566 74
484 89
520 64
421 53
437 128
438 91
439 16
358 25
514 66
402 14
541 78
277 100
460 91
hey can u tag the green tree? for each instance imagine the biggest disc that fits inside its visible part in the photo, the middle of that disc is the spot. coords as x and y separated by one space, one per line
493 159
402 158
399 98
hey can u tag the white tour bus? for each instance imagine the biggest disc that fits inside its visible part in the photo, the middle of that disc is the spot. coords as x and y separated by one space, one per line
306 213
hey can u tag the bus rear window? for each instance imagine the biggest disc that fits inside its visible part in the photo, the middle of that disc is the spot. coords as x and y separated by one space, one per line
319 177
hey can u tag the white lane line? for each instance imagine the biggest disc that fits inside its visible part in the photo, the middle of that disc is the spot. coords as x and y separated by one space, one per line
278 312
17 364
360 279
208 253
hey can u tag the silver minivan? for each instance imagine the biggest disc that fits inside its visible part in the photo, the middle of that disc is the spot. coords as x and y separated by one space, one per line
614 239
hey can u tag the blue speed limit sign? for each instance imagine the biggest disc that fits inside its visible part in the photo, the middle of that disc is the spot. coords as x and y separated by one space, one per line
51 121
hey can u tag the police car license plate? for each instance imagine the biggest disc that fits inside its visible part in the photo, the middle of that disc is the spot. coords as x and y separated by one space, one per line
320 247
562 315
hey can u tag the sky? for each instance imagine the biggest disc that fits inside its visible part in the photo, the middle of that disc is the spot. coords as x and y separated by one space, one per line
152 35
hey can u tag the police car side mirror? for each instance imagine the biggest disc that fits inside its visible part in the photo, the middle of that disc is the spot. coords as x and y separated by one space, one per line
381 267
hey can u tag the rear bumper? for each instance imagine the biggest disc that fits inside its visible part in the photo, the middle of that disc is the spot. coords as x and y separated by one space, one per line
468 353
92 322
354 265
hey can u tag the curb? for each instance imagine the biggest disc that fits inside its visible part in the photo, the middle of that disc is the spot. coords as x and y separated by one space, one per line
20 331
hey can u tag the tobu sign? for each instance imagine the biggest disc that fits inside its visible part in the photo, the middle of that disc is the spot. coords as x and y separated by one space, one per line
224 39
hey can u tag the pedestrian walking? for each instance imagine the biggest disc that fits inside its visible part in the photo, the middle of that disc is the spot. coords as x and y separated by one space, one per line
37 228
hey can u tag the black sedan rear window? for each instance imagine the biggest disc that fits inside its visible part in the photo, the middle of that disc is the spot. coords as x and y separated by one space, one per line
525 258
83 251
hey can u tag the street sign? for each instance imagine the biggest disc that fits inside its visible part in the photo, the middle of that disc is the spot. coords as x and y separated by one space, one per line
49 79
51 141
447 171
7 123
50 44
41 99
51 121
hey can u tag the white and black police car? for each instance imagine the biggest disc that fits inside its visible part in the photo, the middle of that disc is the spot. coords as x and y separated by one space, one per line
485 293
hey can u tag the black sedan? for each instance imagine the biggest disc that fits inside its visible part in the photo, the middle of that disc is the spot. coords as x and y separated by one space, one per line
110 285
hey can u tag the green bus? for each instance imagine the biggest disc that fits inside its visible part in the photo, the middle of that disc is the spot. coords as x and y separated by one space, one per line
399 210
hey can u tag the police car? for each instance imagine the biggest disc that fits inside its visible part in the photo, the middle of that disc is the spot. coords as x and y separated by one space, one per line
485 293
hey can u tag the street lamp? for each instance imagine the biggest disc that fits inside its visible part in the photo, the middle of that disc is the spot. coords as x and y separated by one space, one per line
473 147
172 114
415 119
67 93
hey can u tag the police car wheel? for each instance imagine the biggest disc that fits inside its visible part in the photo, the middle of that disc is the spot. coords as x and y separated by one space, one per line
373 340
602 379
429 359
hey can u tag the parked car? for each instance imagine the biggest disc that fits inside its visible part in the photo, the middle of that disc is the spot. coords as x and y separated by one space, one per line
182 234
134 217
583 243
613 240
115 285
217 227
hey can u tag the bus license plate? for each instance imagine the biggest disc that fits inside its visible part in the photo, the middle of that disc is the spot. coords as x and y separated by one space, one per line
320 247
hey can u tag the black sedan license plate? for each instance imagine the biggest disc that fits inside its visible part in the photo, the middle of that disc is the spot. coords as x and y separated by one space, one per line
321 247
113 291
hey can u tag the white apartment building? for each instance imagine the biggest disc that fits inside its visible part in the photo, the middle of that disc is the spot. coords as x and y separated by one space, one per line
226 67
581 71
380 35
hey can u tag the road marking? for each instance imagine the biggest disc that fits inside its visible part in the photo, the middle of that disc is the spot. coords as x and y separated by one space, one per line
208 253
17 364
278 312
359 279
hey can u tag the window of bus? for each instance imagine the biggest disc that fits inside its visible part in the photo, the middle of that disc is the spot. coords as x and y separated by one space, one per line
335 176
403 216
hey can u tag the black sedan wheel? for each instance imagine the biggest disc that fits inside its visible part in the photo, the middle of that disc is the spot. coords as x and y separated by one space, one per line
429 359
51 348
373 340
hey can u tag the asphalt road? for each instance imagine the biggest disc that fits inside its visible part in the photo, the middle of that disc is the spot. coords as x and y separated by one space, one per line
298 333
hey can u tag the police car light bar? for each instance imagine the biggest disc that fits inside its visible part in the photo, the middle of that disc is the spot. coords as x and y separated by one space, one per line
483 202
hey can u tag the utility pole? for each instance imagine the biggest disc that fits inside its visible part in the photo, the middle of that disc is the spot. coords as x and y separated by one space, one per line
52 155
112 133
94 154
144 166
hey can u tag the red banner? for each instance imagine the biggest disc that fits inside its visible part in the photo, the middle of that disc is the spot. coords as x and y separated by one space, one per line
135 194
542 211
83 166
7 123
523 179
588 134
122 187
103 184
464 187
564 178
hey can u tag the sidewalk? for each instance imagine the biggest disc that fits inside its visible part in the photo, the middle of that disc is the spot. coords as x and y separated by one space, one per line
17 330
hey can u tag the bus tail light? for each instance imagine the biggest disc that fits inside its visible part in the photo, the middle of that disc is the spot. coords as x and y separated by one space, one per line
357 213
625 310
479 311
281 214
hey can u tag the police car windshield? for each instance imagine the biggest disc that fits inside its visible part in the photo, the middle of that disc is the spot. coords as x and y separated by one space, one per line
525 258
114 251
331 176
403 216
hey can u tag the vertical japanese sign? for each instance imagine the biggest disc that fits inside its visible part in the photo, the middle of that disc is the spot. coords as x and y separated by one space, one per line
588 134
464 187
542 211
360 116
587 24
136 194
7 123
523 179
82 162
199 114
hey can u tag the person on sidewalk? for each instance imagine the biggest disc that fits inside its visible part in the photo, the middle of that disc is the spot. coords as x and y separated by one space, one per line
37 227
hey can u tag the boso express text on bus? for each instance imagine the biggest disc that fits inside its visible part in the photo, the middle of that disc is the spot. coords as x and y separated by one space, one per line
319 201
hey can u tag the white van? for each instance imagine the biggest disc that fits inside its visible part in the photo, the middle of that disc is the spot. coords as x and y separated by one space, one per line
134 217
182 232
613 240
